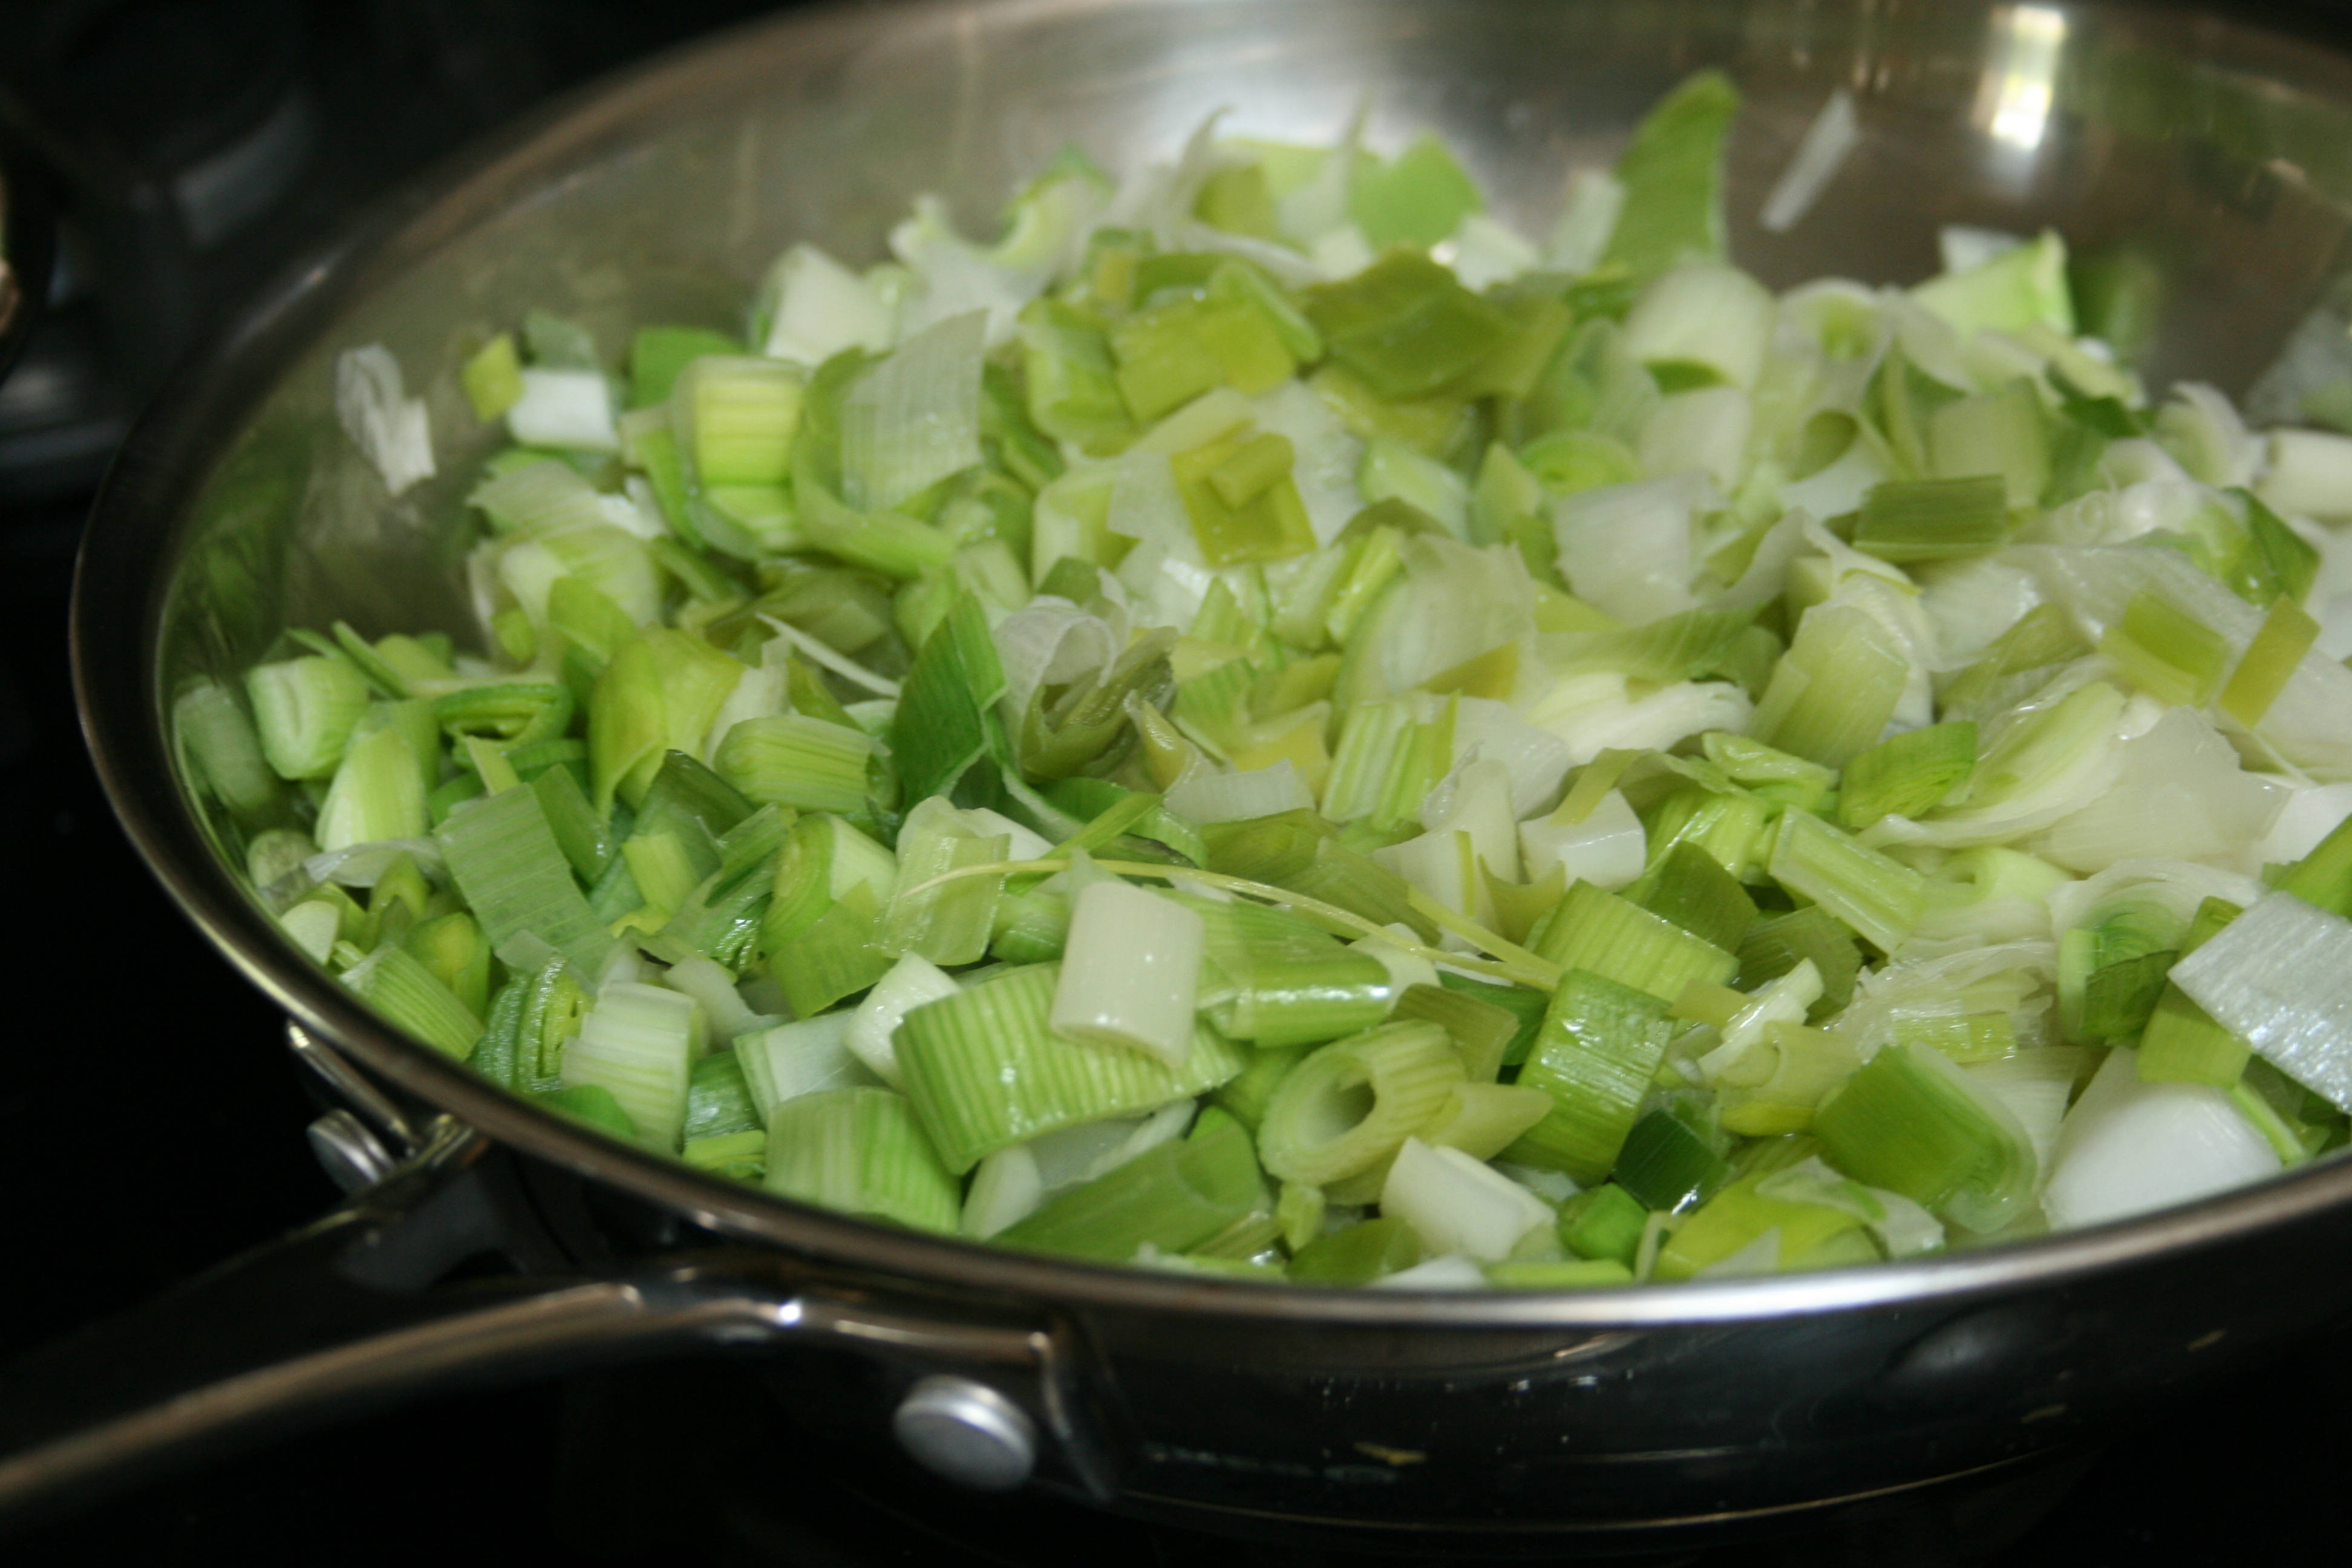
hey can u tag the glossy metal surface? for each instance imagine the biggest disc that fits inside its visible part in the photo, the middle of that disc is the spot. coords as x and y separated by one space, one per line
352 1157
966 1432
2220 157
359 1309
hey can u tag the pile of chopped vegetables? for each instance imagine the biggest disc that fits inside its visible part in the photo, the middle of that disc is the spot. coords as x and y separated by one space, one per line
1266 723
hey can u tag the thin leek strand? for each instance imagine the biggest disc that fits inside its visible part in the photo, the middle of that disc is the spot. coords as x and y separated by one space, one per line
1514 963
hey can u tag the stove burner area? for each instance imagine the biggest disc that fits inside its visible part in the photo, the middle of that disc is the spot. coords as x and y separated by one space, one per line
192 148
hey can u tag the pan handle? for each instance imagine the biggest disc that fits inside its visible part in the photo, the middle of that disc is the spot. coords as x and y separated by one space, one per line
344 1315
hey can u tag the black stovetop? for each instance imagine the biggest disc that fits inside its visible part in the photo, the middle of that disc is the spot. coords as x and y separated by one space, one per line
154 1125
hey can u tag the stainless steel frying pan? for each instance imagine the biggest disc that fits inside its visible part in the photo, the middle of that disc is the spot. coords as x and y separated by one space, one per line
2218 158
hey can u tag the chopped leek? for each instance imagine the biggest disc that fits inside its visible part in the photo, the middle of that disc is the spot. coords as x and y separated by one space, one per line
640 1042
1597 1052
1912 1122
1351 1104
984 1068
1173 1197
1557 763
1131 971
859 1151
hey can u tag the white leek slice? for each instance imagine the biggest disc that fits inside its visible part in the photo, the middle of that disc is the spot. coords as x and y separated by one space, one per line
1343 252
609 560
1467 828
387 426
1552 1186
636 509
304 710
311 926
1165 586
1215 414
822 653
1445 866
1005 1189
1319 204
1785 1000
2280 977
1703 430
1236 797
2179 794
1626 549
639 1042
1839 488
1069 1155
1131 973
539 498
2035 1086
1146 506
2022 287
822 308
1705 314
759 693
1538 760
1828 140
1164 1125
1159 198
1597 712
914 419
1607 849
1325 456
2307 816
1458 1205
1970 603
911 982
2139 461
1766 577
1895 606
1581 233
2176 886
953 276
807 1056
1072 1156
2016 978
359 865
1456 603
570 409
2051 757
2202 429
1758 1256
2330 598
710 986
2309 724
1476 799
2310 475
1451 1272
527 570
1902 1227
1050 641
1025 846
1487 253
1406 967
1843 320
377 793
2129 1147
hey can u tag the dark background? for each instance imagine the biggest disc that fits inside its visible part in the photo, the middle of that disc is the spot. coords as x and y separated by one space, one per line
149 1122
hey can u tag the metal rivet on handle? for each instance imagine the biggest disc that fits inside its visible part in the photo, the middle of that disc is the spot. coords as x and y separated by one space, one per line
967 1432
351 1155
